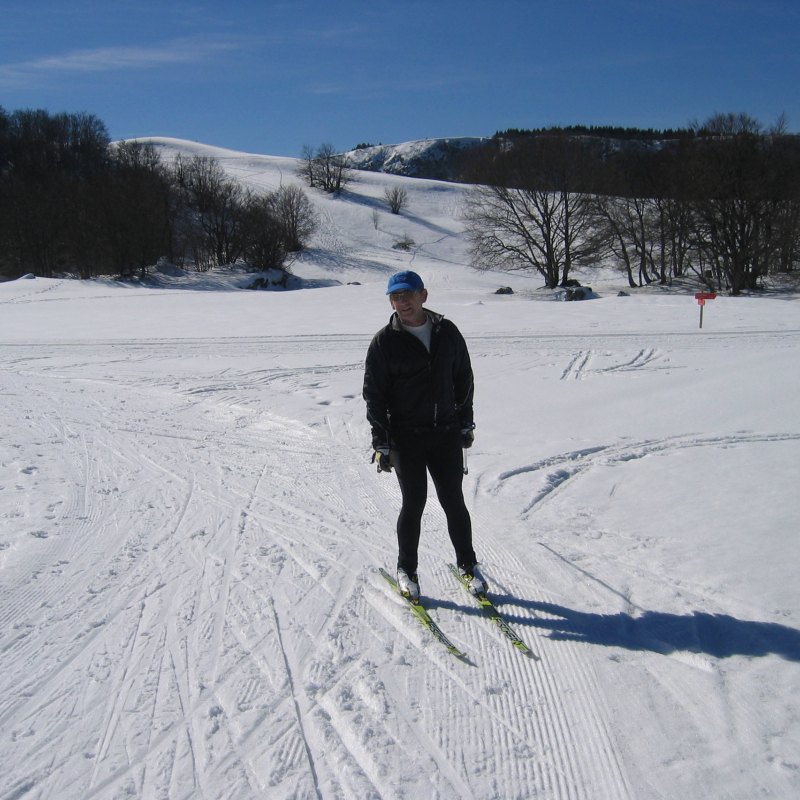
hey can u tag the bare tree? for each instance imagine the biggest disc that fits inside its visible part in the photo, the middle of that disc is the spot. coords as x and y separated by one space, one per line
306 170
325 168
222 222
396 197
133 206
626 228
216 209
512 229
294 212
334 169
264 245
787 232
745 181
535 214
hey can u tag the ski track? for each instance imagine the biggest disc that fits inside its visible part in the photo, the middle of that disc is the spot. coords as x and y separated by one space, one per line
578 366
556 471
200 606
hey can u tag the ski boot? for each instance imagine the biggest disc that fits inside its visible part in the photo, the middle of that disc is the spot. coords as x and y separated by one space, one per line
408 585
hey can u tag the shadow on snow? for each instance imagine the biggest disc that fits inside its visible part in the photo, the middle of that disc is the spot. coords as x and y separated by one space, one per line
717 635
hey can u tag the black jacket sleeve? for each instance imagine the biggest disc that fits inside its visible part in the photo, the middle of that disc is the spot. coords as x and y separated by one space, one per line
376 391
463 382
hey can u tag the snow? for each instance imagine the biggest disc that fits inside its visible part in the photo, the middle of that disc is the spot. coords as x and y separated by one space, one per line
407 158
190 531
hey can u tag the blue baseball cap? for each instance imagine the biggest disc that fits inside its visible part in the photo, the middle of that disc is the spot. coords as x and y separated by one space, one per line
405 281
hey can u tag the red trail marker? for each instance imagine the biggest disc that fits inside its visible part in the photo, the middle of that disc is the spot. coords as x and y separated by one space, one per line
701 301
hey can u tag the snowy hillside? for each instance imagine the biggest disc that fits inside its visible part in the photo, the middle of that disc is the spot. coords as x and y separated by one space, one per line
430 158
190 532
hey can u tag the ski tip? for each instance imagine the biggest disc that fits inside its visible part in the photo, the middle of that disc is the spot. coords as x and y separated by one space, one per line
528 652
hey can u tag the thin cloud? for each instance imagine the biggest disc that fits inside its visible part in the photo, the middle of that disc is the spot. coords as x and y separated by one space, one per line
108 59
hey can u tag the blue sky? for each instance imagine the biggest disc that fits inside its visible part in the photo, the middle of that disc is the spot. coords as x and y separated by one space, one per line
267 77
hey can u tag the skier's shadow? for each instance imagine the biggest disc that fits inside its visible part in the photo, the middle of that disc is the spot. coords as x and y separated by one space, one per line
717 635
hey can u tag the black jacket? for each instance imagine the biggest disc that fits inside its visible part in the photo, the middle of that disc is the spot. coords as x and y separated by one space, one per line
407 388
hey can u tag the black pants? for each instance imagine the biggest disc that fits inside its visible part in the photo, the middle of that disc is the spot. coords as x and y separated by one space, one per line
414 454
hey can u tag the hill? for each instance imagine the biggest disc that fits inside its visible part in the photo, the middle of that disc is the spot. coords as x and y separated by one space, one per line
428 158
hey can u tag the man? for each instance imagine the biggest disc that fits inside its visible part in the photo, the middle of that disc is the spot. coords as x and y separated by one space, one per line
418 387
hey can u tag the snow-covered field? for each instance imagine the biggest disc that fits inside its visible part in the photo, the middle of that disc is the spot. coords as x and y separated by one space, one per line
190 530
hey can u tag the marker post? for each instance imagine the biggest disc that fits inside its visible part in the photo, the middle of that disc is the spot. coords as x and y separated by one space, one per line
701 301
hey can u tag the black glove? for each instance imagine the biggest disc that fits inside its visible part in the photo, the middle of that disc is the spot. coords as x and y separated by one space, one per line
383 458
467 437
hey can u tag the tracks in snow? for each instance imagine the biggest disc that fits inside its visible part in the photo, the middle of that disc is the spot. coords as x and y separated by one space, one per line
192 611
555 471
578 366
205 611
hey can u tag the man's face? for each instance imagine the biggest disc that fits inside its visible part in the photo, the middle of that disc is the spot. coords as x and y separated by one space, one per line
408 306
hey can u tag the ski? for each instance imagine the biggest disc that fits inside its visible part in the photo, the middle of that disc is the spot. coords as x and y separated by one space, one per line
494 615
424 617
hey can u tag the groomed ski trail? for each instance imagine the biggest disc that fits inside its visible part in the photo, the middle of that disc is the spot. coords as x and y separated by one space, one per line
205 604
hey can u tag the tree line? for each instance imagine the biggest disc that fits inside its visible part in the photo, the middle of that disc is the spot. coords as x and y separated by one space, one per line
601 131
71 201
721 201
